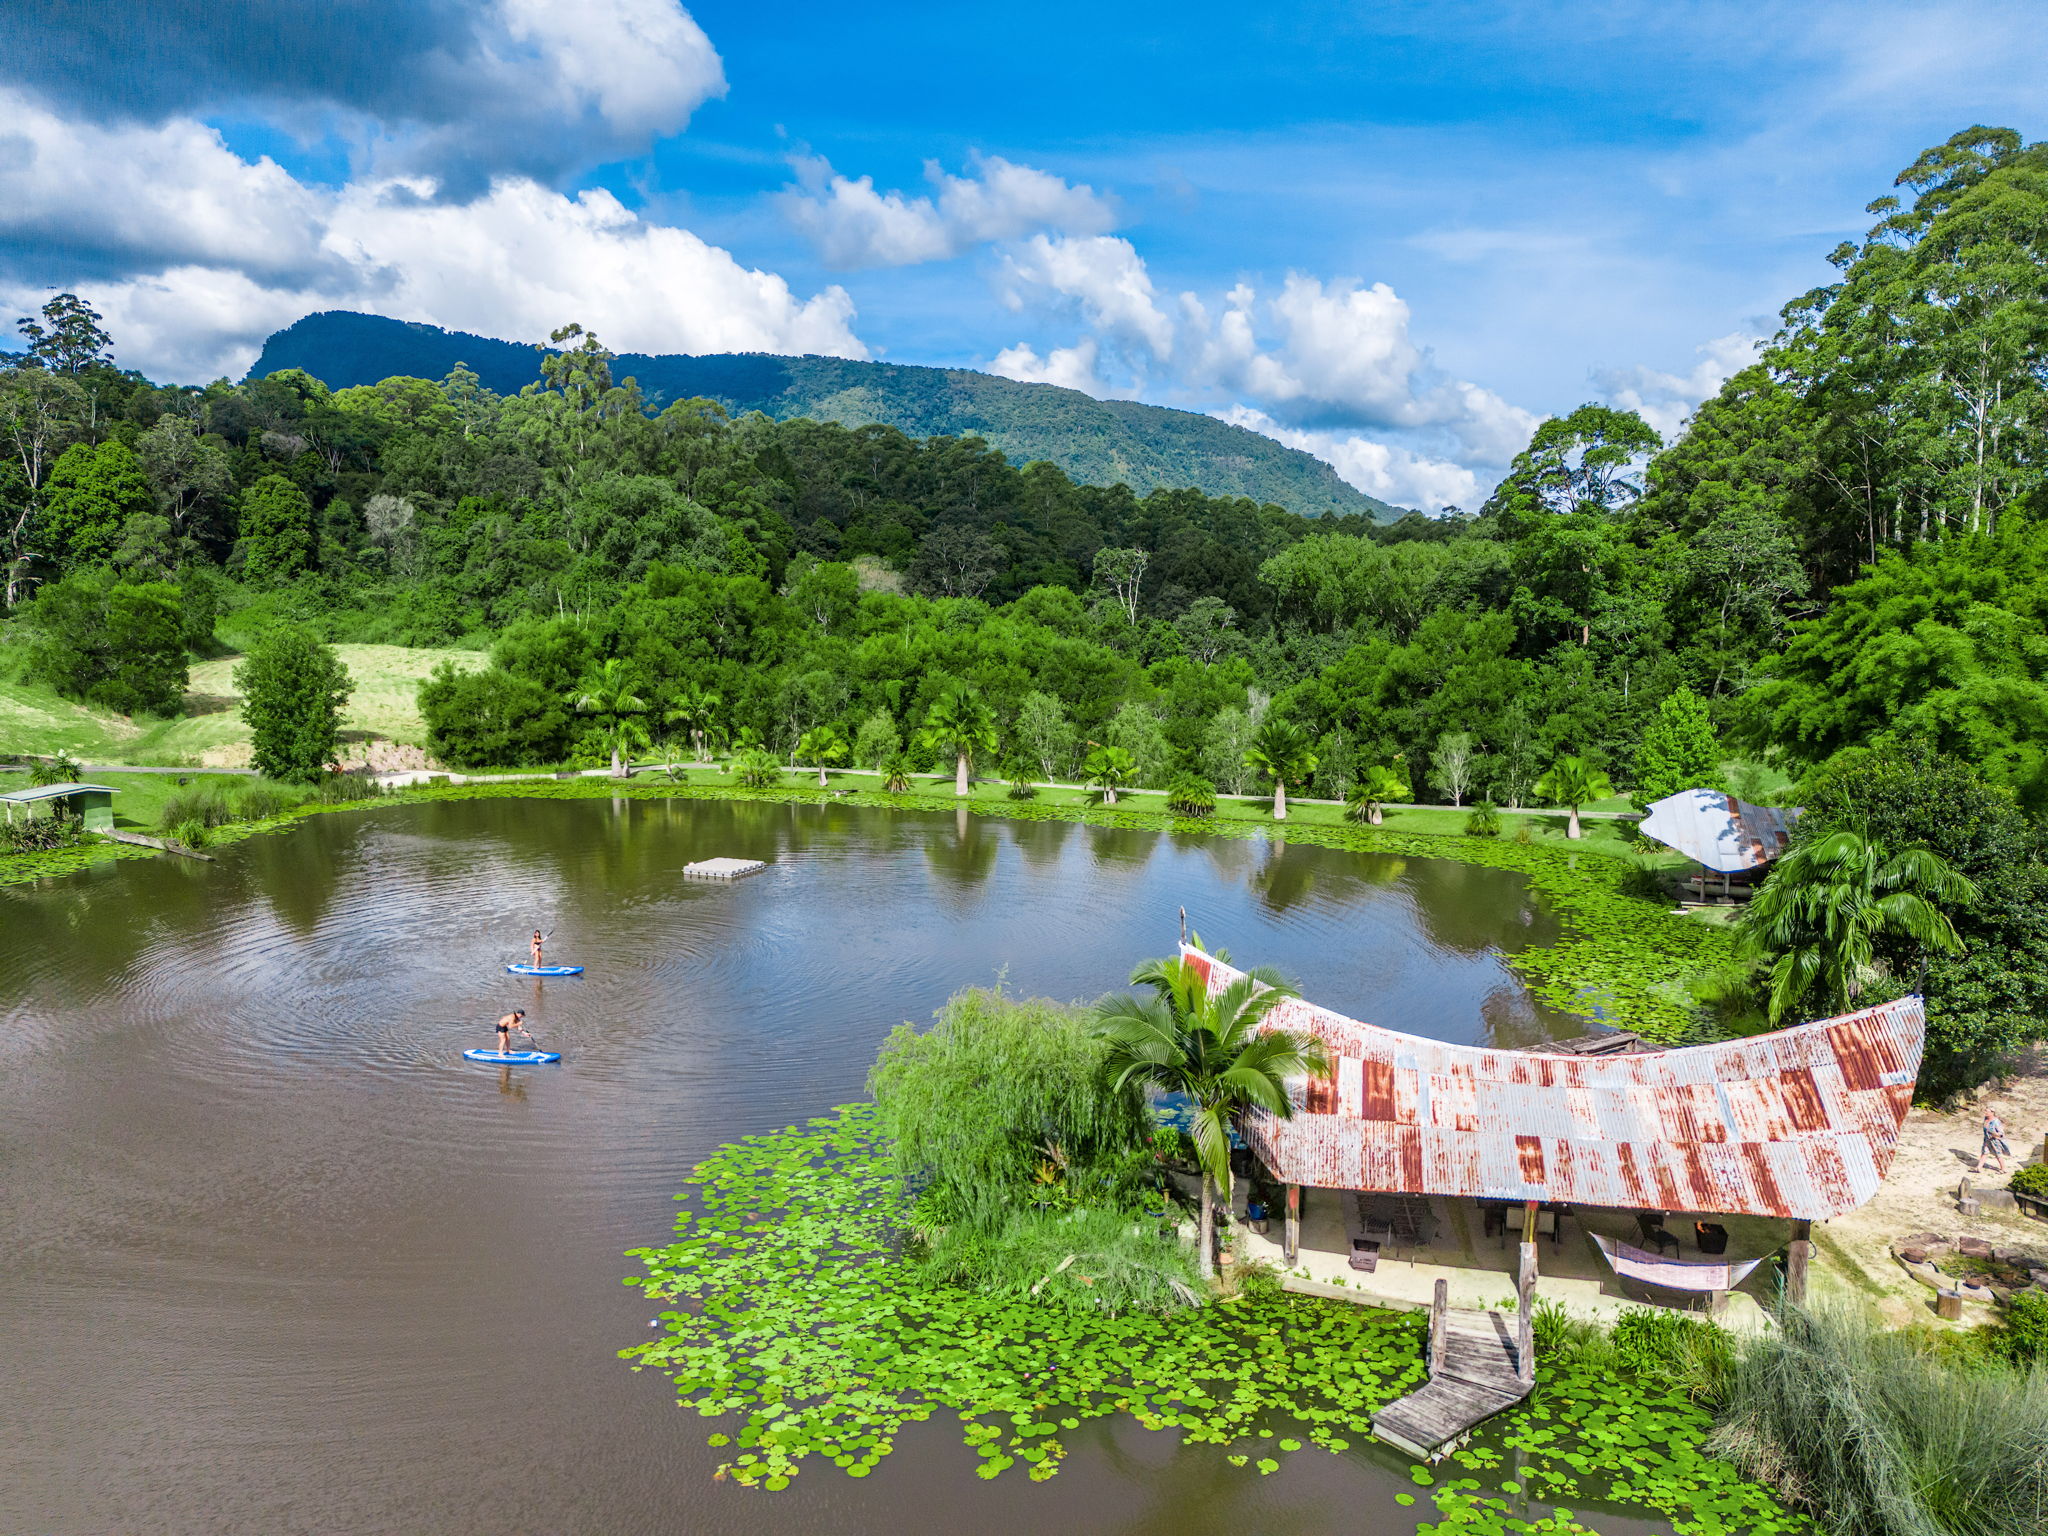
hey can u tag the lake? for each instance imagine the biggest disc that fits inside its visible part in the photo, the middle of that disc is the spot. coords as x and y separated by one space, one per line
280 1260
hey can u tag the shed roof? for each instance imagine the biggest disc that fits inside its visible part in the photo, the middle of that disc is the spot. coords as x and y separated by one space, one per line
1715 829
53 791
1801 1122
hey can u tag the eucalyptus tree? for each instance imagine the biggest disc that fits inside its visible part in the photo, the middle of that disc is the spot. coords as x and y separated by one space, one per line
1280 751
1213 1046
960 724
1571 783
1828 906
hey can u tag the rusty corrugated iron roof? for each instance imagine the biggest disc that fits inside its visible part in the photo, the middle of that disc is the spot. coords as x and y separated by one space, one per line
1715 829
1798 1123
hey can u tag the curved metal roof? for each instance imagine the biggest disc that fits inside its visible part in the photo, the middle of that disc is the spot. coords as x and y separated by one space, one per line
1801 1122
1715 829
53 791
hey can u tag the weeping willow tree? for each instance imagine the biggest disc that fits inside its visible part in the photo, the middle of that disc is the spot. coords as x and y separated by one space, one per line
1032 1166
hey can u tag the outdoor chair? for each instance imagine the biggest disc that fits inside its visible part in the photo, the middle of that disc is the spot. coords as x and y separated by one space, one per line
1650 1224
1711 1236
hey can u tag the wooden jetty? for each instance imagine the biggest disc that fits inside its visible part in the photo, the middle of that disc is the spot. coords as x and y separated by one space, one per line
1480 1362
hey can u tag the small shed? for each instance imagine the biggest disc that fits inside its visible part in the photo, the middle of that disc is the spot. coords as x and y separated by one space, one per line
91 803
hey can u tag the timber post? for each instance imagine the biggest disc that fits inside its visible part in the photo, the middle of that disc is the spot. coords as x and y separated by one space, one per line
1439 1304
1290 1243
1797 1256
1525 1298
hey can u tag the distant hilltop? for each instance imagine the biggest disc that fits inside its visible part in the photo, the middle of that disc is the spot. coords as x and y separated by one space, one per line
1097 442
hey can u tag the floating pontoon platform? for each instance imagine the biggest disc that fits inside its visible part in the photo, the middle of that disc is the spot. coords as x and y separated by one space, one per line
723 869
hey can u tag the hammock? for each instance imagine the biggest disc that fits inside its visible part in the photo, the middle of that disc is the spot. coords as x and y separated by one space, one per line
1633 1263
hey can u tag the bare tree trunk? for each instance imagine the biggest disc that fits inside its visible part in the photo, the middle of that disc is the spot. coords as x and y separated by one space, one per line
1572 830
1207 1232
960 774
618 764
1279 799
821 775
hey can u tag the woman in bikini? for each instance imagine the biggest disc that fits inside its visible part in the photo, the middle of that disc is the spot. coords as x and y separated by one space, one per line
536 949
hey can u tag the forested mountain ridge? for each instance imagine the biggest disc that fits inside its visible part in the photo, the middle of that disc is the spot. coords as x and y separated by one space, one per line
1097 442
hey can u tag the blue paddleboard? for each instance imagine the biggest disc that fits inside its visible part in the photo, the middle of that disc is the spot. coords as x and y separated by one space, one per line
515 1058
545 970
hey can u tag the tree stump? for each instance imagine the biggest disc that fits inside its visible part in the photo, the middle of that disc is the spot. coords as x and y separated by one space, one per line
1948 1305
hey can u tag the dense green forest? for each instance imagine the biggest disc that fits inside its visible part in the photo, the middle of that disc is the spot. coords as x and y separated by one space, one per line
1097 442
1839 570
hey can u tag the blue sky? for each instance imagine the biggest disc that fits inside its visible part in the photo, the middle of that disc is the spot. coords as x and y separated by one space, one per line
1396 235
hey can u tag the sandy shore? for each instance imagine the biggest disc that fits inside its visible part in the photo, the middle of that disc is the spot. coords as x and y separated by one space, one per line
1937 1151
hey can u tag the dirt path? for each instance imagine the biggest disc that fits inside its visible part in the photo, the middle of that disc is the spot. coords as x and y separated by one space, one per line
1936 1152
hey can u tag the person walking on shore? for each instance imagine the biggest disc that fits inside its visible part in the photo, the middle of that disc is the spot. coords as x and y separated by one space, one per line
1994 1141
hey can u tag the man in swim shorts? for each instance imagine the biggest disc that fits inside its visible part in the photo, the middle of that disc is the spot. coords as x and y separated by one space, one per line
509 1023
536 949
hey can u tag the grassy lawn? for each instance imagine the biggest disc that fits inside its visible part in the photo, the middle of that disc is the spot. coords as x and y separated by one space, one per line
138 797
1441 821
210 733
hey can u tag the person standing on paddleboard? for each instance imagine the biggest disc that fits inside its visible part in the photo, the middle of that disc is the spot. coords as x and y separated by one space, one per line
536 949
509 1023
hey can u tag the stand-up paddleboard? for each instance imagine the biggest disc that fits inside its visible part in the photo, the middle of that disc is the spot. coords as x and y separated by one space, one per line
545 970
516 1058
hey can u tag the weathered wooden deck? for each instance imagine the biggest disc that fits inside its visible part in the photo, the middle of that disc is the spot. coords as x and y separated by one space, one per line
1476 1369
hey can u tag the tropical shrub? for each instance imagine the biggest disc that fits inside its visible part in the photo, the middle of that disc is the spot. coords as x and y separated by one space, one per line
2030 1180
38 834
2022 1335
1484 820
1019 775
756 769
1191 795
896 774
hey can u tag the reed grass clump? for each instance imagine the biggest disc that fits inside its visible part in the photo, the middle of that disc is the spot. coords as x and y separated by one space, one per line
203 805
346 788
1088 1260
261 800
1879 1433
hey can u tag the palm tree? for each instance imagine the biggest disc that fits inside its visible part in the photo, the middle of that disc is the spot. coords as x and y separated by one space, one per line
1571 783
822 745
1211 1047
896 774
1109 769
694 709
1191 795
1380 784
1819 916
607 692
959 723
1280 750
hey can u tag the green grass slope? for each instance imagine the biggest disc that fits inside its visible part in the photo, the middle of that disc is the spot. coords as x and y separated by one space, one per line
210 733
1097 442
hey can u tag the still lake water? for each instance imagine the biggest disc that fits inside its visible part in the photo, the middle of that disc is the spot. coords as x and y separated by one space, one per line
278 1260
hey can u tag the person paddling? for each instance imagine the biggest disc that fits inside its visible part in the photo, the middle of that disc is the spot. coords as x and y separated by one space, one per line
536 949
505 1027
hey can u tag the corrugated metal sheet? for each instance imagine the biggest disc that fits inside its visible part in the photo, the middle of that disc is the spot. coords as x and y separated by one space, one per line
1725 834
1799 1123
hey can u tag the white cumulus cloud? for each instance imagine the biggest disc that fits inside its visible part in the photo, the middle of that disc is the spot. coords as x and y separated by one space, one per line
1666 400
194 255
854 225
1387 470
